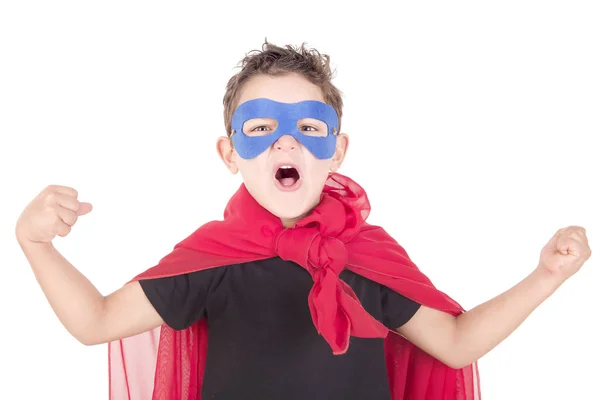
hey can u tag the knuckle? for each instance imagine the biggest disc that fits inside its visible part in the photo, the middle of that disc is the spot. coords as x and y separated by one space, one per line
64 230
53 212
71 219
50 197
56 225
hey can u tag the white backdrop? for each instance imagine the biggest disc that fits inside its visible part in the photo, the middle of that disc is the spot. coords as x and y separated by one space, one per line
474 128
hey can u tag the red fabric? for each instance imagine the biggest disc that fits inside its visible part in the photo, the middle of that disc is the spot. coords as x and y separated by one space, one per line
169 364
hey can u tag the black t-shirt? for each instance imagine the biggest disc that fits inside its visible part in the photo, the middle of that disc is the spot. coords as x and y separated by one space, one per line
262 341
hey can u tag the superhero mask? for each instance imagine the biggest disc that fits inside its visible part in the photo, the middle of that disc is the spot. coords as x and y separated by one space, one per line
287 116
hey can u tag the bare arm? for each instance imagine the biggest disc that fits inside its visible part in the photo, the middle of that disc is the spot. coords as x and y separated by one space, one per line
86 314
460 341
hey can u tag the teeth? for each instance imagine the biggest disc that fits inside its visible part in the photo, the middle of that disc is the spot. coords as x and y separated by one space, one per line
286 167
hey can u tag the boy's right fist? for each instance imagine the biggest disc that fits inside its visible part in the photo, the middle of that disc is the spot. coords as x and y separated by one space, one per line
52 212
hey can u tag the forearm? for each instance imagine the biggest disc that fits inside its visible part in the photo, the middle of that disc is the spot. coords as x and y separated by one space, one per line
481 329
459 341
76 302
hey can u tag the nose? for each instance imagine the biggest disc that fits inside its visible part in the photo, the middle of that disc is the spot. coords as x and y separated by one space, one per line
286 143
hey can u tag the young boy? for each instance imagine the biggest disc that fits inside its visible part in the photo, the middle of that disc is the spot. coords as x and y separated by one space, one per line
295 231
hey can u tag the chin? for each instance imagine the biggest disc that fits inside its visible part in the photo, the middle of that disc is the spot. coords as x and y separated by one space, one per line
290 206
292 215
288 210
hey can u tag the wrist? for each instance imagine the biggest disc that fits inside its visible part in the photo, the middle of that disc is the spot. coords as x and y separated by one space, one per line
28 244
545 280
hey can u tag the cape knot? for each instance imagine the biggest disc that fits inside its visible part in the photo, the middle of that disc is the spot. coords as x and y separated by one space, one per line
311 250
328 252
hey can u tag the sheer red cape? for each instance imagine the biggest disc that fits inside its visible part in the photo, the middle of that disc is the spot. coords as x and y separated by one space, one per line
169 364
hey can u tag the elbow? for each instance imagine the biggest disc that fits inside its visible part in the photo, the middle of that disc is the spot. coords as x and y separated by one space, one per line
458 365
452 359
94 333
86 343
459 353
87 340
458 361
456 356
94 340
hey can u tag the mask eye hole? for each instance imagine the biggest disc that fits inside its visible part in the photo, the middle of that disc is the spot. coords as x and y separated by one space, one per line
312 127
259 126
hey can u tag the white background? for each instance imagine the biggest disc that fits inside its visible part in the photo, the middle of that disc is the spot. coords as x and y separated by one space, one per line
474 128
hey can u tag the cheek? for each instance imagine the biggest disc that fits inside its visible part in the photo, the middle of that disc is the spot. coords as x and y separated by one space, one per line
254 168
318 168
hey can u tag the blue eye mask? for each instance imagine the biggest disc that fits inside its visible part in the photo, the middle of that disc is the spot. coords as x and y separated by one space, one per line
287 116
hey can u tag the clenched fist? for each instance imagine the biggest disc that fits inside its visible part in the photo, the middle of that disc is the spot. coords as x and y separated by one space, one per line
52 212
566 252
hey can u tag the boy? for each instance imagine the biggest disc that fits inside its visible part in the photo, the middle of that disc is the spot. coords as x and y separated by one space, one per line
294 231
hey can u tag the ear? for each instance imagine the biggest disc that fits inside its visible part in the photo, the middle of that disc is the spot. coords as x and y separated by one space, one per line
341 148
226 152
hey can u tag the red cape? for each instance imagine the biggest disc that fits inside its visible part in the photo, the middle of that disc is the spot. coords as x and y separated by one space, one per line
169 364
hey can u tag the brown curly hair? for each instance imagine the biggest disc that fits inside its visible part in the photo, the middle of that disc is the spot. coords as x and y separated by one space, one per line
274 60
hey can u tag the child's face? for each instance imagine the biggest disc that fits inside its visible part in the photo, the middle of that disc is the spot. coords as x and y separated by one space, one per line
275 189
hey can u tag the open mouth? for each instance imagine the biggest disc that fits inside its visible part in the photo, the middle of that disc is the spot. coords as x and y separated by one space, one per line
288 176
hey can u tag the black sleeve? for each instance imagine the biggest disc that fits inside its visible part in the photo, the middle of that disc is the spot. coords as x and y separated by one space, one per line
397 309
180 300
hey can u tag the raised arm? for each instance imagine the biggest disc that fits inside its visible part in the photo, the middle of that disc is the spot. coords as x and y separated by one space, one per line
86 314
460 341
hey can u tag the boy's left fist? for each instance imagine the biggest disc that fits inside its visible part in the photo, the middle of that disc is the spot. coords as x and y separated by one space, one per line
566 252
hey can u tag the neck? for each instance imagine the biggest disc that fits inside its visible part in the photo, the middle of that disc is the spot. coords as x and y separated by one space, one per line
289 222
